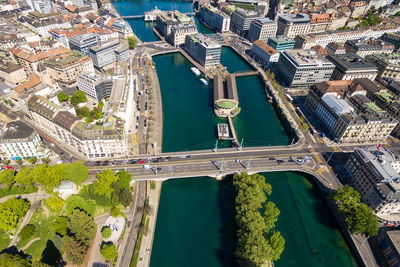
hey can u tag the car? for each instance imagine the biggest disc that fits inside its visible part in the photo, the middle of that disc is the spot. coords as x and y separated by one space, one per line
272 159
182 156
141 161
137 125
215 162
168 157
238 160
189 156
9 168
60 161
52 144
279 161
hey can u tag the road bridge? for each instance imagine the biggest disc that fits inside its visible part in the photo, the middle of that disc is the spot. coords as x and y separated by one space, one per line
142 16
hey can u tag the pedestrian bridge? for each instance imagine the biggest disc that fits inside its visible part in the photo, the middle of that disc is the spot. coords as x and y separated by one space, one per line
242 73
142 16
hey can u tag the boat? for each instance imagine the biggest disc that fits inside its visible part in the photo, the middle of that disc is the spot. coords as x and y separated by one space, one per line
195 71
204 81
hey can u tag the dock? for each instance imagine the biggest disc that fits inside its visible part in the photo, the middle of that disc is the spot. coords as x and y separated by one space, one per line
235 140
223 131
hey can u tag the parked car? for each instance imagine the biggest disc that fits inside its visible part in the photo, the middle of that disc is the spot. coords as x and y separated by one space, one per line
9 168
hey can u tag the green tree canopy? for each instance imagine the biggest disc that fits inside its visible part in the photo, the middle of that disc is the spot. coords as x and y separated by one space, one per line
24 177
7 177
359 218
258 242
115 212
124 179
102 187
106 232
81 226
60 225
109 251
62 96
55 202
78 202
132 42
9 260
32 160
74 249
11 212
78 97
76 172
27 231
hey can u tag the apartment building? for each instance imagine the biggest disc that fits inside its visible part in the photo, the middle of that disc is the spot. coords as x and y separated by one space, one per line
302 68
335 48
12 73
67 67
204 50
373 176
262 29
393 38
95 86
351 66
364 47
20 141
215 19
241 20
90 140
388 65
83 42
264 54
292 25
179 33
104 55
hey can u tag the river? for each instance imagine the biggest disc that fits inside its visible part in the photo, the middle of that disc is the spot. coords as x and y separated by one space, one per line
195 225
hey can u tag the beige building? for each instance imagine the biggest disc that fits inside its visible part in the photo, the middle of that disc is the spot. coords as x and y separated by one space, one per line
67 67
90 140
12 73
388 65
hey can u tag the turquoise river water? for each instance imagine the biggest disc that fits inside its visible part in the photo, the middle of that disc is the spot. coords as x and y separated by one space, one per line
195 224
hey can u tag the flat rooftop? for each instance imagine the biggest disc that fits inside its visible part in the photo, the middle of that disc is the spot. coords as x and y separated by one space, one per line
17 130
307 57
338 105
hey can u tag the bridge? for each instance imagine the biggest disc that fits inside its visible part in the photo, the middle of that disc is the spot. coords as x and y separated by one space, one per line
242 73
142 16
223 162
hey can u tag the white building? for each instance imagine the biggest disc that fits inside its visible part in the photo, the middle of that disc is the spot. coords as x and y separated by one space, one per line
94 86
21 141
291 25
215 19
42 6
262 29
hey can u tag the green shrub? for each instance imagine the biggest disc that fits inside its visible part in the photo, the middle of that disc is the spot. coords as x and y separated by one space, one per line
27 231
78 202
115 212
106 232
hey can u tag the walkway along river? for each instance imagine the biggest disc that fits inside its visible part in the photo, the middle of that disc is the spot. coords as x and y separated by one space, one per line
195 224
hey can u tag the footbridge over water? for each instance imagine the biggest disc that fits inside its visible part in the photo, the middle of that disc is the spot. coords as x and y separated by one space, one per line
142 16
242 73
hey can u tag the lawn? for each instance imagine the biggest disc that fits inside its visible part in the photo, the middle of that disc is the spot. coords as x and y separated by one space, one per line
4 239
44 230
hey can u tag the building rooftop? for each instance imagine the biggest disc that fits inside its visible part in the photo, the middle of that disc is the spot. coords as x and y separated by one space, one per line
307 57
379 160
386 96
65 119
338 105
109 43
394 237
16 130
72 57
349 62
369 44
294 18
266 48
204 40
281 39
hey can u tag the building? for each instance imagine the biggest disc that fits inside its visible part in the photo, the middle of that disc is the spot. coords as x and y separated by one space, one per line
104 55
20 141
63 35
179 33
215 19
347 114
241 20
388 65
67 67
122 53
389 245
264 54
44 25
12 73
364 47
42 6
204 50
94 86
373 176
302 68
92 141
83 42
335 48
262 29
393 38
280 43
166 20
323 39
291 25
351 66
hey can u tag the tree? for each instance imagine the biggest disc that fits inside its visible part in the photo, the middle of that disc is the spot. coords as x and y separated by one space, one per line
53 176
27 231
115 212
7 177
17 260
55 202
76 172
78 202
32 160
19 162
102 187
125 197
124 179
78 97
74 249
60 225
132 42
39 173
24 177
359 218
62 96
46 160
11 211
81 226
6 161
109 251
106 232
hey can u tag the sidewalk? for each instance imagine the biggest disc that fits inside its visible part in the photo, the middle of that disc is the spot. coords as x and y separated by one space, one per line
147 241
